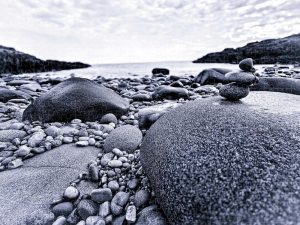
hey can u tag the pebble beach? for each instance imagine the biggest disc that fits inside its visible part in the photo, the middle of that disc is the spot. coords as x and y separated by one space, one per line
122 192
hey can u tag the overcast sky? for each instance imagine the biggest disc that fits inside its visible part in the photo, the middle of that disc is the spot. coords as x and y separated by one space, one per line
113 31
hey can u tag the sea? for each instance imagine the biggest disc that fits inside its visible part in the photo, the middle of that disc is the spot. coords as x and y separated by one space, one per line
182 68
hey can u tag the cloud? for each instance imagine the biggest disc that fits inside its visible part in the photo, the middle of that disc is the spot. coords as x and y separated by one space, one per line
141 30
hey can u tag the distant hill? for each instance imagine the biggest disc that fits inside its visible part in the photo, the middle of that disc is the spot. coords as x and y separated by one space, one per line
15 62
283 50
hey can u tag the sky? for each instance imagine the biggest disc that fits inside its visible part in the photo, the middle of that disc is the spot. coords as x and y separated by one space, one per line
120 31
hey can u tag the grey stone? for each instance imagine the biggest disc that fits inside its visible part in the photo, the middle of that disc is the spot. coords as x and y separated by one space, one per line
126 138
36 139
6 95
9 135
219 162
241 77
104 209
33 86
234 91
151 216
61 220
52 131
118 202
101 195
141 197
71 193
131 214
76 98
247 65
109 118
212 76
168 92
87 208
62 209
33 186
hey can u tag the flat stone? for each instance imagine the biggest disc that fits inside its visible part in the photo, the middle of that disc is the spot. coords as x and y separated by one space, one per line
213 161
33 186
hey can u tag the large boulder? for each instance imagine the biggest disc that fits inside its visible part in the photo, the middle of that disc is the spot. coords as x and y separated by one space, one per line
76 98
213 161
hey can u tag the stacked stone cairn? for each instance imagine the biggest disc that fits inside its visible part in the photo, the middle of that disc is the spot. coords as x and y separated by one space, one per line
239 81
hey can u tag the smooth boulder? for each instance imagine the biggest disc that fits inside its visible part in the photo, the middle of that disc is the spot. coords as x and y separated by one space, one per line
212 76
6 95
163 71
171 93
219 162
76 98
126 138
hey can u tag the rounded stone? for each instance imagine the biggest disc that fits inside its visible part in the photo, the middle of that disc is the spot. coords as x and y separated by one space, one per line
126 138
141 197
240 77
52 131
234 91
87 208
220 162
109 118
62 209
71 193
246 65
101 195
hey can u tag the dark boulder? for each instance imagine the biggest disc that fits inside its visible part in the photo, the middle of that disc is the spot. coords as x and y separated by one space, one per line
76 98
171 93
212 76
6 95
163 71
219 162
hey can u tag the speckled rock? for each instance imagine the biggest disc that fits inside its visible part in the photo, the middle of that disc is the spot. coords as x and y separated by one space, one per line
220 162
126 138
234 91
9 135
247 65
76 98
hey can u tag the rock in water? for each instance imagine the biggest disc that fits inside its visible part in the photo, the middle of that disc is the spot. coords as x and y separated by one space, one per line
247 65
76 98
221 162
126 138
160 71
234 91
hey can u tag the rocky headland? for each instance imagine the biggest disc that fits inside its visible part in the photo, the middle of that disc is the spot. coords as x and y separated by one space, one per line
15 62
151 150
283 50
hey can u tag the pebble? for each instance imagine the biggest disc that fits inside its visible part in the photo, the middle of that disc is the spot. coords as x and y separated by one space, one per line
115 163
106 158
109 118
87 208
52 131
62 209
22 151
141 197
36 139
94 173
68 140
94 220
104 209
82 143
113 185
71 193
131 214
118 202
117 152
132 184
101 195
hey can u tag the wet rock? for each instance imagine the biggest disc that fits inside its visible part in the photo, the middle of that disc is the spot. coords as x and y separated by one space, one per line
101 195
62 209
118 202
87 208
171 93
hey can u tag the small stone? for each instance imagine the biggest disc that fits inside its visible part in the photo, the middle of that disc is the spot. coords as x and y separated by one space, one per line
3 146
61 220
15 164
141 197
82 143
118 202
94 220
247 65
16 126
67 140
52 131
106 158
234 92
36 139
22 151
117 152
62 209
118 220
82 222
109 118
87 208
151 216
104 209
101 195
131 214
71 193
132 184
115 163
93 171
113 185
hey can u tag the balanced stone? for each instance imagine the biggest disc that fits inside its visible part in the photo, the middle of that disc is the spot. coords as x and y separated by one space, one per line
76 98
234 91
241 77
126 138
222 162
247 65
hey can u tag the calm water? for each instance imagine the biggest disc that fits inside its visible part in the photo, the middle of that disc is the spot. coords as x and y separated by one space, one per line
139 69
